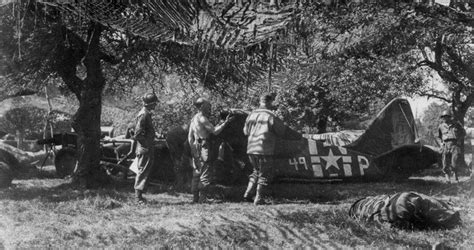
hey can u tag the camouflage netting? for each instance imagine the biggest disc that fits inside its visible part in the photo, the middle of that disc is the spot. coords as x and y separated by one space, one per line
226 23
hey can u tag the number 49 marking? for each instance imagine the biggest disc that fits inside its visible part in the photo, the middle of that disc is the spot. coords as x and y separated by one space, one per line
296 161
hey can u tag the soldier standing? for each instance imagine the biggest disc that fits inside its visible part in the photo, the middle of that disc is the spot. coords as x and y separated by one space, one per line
144 136
262 128
451 134
202 149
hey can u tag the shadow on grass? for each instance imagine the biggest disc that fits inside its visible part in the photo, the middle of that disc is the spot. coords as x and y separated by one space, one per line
345 230
58 193
62 190
299 193
260 231
340 192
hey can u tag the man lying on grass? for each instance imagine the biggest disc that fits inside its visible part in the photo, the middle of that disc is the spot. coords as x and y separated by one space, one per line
406 210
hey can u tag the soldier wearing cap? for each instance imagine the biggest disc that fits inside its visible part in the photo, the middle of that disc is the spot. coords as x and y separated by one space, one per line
200 141
451 135
262 128
144 136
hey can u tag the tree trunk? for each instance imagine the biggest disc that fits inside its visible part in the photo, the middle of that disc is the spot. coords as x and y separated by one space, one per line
86 121
459 114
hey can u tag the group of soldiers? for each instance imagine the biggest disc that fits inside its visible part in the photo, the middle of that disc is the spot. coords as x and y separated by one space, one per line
262 128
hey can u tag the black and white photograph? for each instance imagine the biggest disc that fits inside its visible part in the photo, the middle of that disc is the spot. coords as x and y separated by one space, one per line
236 124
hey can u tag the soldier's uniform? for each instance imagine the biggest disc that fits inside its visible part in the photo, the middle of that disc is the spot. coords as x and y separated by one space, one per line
262 128
406 210
203 150
203 167
144 136
451 134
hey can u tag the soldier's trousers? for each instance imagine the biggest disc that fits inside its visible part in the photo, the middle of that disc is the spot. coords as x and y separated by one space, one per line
203 165
451 157
145 164
201 178
263 169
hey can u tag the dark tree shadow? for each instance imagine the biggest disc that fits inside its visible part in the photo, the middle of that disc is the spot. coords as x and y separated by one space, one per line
338 192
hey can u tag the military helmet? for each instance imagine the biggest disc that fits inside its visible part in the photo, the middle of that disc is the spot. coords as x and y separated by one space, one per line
267 97
201 101
149 99
446 113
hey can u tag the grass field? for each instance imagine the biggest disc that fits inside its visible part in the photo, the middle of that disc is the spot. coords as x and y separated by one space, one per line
50 213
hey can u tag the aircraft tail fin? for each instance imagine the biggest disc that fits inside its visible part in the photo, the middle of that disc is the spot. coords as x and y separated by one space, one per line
393 127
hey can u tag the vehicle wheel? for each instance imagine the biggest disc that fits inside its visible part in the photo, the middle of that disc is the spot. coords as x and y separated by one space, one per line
65 162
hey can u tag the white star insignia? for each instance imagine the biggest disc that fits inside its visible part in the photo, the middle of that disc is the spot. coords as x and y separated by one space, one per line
331 160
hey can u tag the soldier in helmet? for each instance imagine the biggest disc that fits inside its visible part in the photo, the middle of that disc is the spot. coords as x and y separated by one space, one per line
144 136
201 144
262 128
451 135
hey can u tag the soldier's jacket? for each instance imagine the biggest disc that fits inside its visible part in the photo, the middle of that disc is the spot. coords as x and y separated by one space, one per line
262 128
144 132
406 210
451 131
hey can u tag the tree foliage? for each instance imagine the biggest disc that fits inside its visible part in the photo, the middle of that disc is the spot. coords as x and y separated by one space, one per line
24 122
333 92
338 68
371 52
430 122
437 37
29 120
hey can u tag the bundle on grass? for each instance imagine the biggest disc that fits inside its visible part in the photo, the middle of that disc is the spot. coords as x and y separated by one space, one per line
408 210
8 164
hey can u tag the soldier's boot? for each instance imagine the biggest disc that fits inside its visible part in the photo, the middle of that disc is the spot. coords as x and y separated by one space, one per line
203 194
195 189
196 196
455 175
260 195
139 197
249 191
207 194
195 192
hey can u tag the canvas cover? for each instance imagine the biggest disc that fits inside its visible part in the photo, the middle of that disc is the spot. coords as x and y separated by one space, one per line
24 157
392 128
340 138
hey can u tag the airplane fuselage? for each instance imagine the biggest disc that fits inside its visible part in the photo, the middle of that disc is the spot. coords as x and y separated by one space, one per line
321 160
